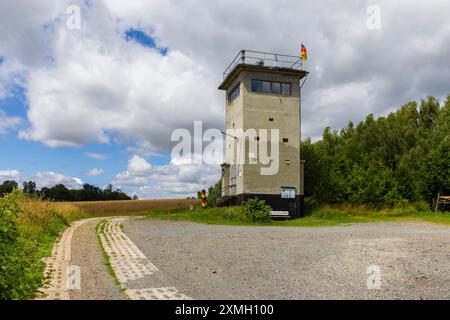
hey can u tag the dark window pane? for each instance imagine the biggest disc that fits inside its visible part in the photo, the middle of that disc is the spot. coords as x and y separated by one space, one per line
276 87
256 85
286 89
235 93
266 86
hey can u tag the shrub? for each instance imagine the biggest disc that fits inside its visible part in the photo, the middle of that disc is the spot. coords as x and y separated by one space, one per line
234 213
9 210
422 206
311 204
11 248
257 210
254 210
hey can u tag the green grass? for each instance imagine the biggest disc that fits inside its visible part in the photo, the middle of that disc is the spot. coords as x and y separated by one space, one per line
327 216
101 230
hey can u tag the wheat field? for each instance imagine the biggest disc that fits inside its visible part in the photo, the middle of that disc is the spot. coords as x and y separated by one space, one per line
130 207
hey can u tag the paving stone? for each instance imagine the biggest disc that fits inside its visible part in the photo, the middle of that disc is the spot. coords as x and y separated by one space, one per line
130 264
57 265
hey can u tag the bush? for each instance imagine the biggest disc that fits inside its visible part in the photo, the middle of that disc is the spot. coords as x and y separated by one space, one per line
254 210
422 206
257 210
402 204
234 213
11 248
214 192
311 204
9 210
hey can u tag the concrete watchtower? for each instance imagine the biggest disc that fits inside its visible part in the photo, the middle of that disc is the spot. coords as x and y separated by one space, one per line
263 92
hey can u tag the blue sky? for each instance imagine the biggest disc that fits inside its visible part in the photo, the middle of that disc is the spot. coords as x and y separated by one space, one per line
143 39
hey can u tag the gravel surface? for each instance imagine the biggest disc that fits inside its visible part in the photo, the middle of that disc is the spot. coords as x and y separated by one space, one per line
96 282
227 262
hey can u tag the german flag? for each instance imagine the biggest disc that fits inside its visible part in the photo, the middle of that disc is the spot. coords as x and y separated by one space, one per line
304 53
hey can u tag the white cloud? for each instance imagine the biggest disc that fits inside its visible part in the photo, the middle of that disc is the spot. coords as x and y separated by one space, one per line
138 166
95 172
50 179
91 85
103 87
25 29
10 175
166 180
12 74
96 156
42 179
7 123
343 52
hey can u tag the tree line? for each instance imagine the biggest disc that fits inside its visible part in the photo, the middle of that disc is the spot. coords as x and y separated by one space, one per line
403 157
60 192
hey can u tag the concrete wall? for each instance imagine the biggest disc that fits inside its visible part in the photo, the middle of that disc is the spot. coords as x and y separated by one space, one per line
234 119
252 110
259 107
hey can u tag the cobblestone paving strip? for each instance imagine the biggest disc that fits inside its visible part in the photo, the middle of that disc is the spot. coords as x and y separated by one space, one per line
167 293
130 264
57 265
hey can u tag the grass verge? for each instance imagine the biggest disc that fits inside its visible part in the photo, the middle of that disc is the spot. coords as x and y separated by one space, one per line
326 216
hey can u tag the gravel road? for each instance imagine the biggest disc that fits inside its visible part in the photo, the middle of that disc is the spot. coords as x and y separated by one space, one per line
227 262
96 282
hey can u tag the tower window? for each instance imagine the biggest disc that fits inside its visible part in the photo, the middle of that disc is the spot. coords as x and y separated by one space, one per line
265 86
278 88
256 85
285 140
234 93
286 89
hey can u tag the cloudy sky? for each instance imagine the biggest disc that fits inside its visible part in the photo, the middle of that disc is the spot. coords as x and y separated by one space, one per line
98 103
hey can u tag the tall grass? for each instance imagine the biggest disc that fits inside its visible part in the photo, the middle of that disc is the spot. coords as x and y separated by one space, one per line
44 217
29 226
348 210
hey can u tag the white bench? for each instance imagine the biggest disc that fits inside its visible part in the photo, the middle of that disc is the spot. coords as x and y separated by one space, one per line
280 214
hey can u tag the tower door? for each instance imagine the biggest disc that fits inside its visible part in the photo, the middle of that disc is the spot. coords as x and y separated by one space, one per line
288 197
292 208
